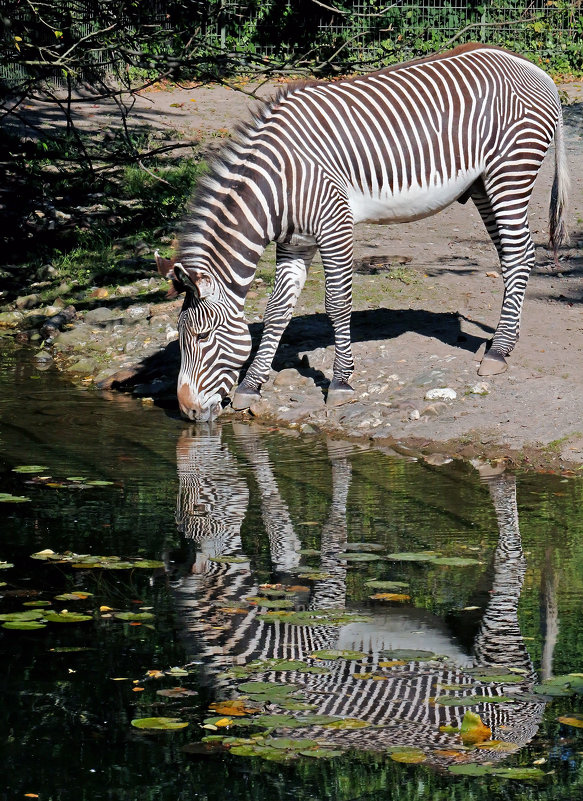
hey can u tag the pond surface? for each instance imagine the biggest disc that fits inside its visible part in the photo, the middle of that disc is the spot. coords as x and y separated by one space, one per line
331 622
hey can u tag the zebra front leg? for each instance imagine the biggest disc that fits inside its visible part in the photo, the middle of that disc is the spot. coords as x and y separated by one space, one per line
339 309
292 264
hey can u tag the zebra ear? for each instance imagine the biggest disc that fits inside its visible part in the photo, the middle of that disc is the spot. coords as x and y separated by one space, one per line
197 281
166 270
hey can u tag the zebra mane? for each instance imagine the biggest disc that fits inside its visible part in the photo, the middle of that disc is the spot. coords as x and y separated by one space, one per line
230 159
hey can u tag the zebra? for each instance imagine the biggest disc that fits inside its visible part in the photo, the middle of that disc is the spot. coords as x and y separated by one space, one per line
222 631
392 146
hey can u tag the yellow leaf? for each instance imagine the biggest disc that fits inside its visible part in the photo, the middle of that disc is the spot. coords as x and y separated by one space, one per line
58 34
137 689
472 730
223 722
572 720
155 674
105 609
392 663
235 708
389 596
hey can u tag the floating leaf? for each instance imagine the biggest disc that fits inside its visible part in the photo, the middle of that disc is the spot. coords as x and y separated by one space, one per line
315 617
73 596
66 617
331 653
390 596
6 497
500 746
409 654
348 723
472 700
322 753
37 603
134 616
574 719
277 720
472 730
409 556
100 483
357 556
518 773
266 688
228 560
165 724
176 692
388 586
471 769
24 625
500 678
315 575
407 755
270 603
364 546
392 663
234 708
29 468
147 564
30 614
6 565
455 561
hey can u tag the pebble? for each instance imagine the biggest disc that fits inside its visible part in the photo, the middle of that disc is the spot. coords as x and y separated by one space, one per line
482 388
441 393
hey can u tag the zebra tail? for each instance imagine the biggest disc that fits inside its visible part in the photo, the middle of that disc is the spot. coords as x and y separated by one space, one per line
558 234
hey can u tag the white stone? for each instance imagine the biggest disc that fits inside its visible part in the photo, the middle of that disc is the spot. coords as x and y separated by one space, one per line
441 393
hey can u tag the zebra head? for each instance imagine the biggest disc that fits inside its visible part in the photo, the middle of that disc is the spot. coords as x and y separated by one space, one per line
214 341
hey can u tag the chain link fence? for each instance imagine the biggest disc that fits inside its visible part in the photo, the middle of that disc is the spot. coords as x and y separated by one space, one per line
371 33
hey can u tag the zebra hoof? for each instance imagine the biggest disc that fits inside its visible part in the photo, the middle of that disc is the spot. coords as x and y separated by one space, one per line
492 364
339 392
243 398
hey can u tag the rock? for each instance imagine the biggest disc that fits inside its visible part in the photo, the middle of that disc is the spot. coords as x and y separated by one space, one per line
434 409
73 338
437 459
27 302
258 407
441 393
11 319
127 291
99 293
103 317
414 414
482 388
85 366
134 314
117 379
288 378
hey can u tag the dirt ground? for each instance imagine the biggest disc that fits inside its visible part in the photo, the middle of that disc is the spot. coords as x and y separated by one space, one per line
419 322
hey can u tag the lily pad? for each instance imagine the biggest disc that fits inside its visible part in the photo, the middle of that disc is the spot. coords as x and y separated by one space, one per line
30 468
100 483
66 617
388 586
161 724
134 616
410 556
6 497
30 614
6 565
409 654
455 561
469 769
472 700
271 603
331 653
315 575
348 723
24 625
73 596
408 755
357 556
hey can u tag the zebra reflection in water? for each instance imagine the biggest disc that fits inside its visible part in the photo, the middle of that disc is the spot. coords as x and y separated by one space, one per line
222 631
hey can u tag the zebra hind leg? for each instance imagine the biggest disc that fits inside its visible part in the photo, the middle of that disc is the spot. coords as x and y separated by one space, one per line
292 264
509 231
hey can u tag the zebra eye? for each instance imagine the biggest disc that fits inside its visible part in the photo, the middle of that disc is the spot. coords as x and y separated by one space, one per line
203 336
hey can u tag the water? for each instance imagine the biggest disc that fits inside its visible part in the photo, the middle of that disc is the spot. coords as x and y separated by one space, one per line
232 509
